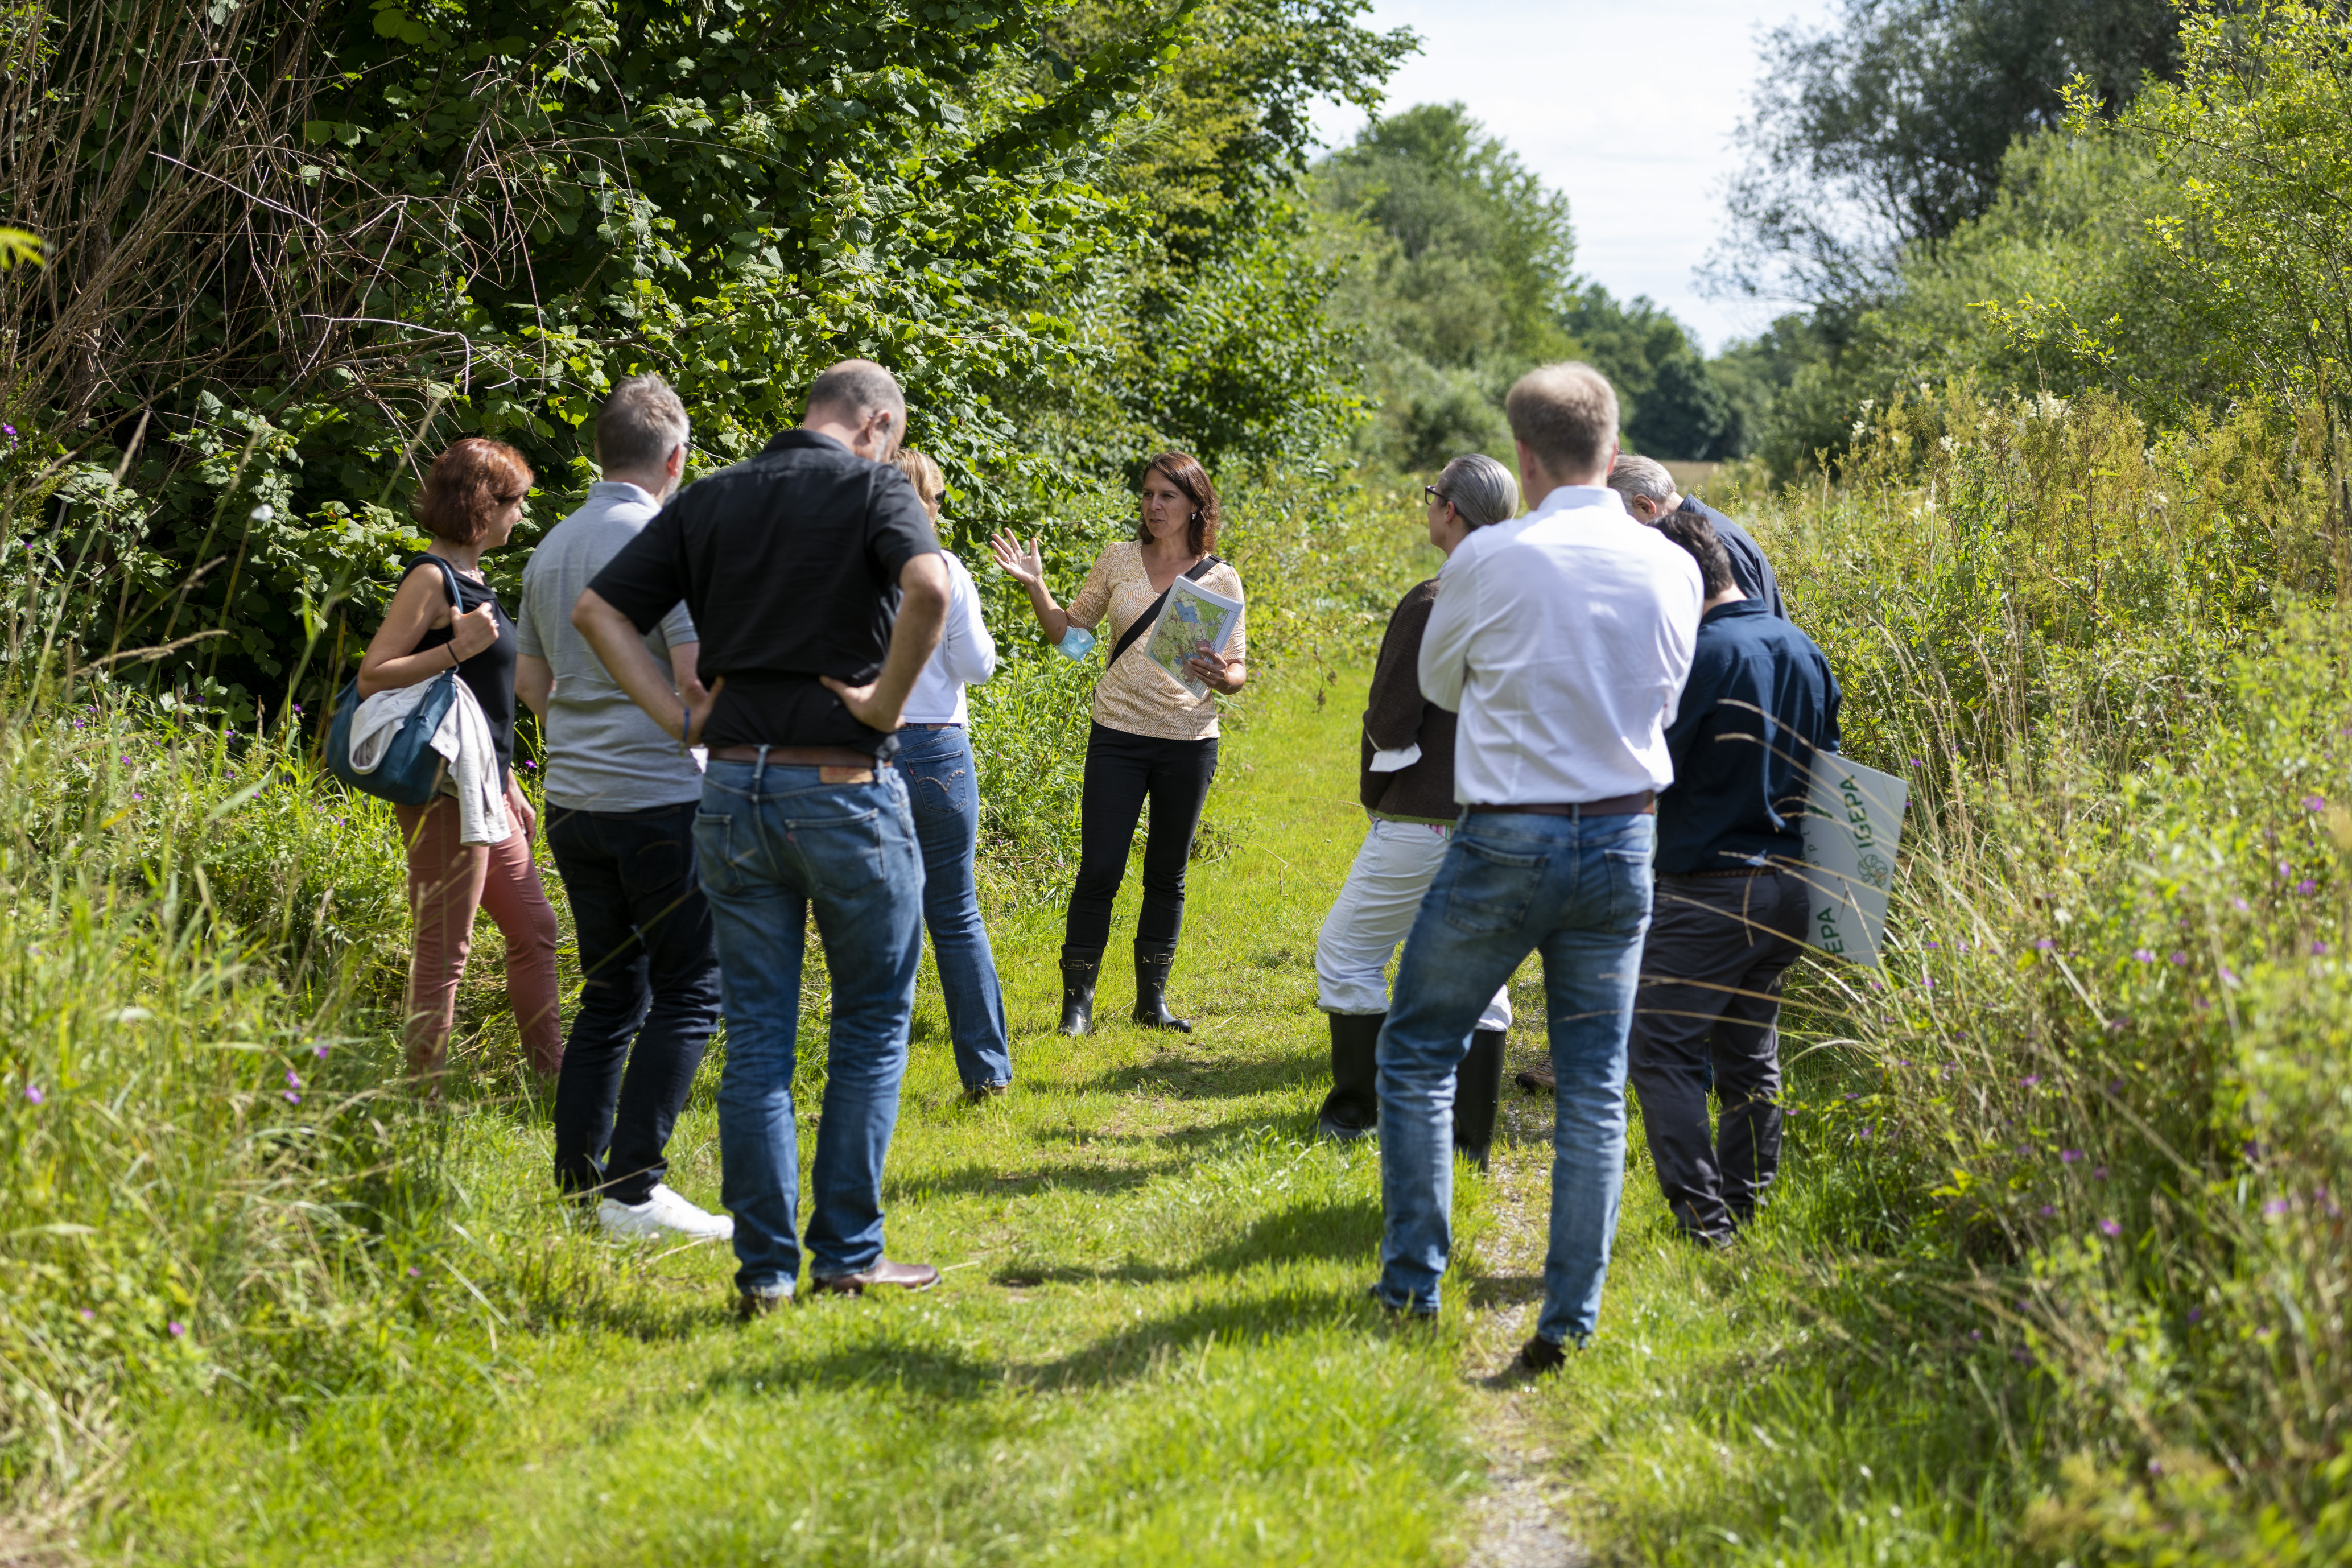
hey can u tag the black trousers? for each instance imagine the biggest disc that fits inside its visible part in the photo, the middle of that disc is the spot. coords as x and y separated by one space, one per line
1122 772
1711 967
648 993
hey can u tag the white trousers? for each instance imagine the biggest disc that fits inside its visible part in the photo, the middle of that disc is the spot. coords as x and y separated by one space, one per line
1374 912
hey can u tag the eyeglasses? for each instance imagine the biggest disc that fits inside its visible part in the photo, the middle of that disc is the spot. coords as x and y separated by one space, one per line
1434 493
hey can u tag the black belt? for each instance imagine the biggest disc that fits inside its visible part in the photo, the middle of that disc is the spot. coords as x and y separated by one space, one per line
1640 802
797 756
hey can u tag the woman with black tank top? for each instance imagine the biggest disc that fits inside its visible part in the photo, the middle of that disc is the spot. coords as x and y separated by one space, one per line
471 501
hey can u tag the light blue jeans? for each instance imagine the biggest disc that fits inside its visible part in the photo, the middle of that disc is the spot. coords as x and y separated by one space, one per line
1577 891
943 788
775 843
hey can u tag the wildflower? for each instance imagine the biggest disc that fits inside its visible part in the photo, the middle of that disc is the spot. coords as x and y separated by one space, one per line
2069 1156
2237 904
291 1098
2315 803
2049 1210
1976 1333
1933 944
2275 1207
1916 763
2201 1004
529 764
412 1274
32 1093
2307 887
2030 1079
1853 1097
2228 976
177 1328
2098 1173
87 1316
2045 944
2143 955
2318 950
2196 1315
2180 958
320 1051
2109 1227
1961 946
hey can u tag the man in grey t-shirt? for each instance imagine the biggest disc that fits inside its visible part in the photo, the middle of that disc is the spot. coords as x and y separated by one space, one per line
620 798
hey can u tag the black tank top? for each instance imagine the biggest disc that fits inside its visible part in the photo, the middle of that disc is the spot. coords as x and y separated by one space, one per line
489 674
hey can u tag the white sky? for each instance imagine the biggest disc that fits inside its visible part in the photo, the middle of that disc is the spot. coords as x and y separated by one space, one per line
1627 107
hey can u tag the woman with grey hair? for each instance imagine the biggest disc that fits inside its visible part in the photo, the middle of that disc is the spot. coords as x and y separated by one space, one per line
1407 785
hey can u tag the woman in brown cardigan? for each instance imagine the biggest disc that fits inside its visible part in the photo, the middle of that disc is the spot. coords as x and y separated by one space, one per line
1407 784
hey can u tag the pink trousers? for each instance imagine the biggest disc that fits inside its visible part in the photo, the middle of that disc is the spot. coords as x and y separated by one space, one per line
447 881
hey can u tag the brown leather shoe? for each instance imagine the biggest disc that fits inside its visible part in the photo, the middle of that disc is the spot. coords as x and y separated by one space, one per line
907 1276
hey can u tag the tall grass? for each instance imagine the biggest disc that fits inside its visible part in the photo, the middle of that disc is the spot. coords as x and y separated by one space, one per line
2085 1132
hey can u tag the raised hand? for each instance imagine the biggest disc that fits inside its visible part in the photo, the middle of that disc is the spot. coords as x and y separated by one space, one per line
1025 565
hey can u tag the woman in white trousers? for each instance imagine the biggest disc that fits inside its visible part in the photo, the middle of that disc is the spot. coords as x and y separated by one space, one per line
1407 785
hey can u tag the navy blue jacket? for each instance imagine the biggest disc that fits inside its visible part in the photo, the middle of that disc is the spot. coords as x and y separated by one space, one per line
1749 567
1759 699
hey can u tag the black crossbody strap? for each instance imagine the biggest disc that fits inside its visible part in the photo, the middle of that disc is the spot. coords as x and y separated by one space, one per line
1143 622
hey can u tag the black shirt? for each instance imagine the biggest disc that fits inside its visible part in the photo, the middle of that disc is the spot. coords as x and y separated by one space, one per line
789 563
1760 701
1749 567
489 674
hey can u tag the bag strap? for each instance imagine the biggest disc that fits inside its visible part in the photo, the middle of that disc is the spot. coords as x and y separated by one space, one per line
1143 622
449 574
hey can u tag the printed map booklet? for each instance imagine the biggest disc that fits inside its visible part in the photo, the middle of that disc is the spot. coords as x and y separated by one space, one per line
1193 615
1854 819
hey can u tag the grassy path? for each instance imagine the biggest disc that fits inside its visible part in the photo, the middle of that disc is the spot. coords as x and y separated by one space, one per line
1150 1345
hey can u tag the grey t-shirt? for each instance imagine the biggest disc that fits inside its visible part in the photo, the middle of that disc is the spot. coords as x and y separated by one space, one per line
604 753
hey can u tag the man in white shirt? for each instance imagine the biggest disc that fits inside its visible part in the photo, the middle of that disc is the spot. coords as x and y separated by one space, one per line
1562 639
621 797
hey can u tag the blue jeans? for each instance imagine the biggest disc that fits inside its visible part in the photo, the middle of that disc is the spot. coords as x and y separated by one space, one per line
648 993
774 844
1515 883
943 788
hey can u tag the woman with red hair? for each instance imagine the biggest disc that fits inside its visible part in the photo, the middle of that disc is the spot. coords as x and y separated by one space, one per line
1152 738
470 503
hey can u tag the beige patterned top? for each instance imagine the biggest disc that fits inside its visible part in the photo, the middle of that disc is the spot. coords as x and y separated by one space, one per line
1135 694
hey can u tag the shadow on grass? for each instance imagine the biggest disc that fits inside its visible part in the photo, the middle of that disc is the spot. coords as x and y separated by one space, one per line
1213 1078
1307 1232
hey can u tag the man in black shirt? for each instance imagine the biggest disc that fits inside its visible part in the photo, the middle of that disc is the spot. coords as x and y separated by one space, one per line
1649 494
1729 911
812 575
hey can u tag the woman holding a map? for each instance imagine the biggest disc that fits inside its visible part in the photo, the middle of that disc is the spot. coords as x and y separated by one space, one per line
1175 615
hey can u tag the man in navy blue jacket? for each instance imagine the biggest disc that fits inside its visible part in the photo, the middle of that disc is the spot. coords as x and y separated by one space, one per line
1731 907
1650 495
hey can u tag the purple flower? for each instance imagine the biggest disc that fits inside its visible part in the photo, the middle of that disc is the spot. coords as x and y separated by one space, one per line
318 1051
2143 955
2315 803
2196 1315
2307 887
2110 1227
32 1093
8 429
293 1080
2098 1173
2044 945
177 1328
291 1098
2318 950
1934 945
2030 1079
1976 1333
2275 1207
87 1316
1961 946
1853 1097
2048 1210
2237 904
2201 1004
2180 958
2228 978
412 1274
2069 1156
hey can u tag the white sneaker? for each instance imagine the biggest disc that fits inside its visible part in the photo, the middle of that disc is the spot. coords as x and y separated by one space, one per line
665 1213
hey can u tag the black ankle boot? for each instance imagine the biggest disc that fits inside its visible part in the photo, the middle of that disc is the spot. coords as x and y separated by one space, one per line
1152 961
1353 1107
1080 966
1477 1088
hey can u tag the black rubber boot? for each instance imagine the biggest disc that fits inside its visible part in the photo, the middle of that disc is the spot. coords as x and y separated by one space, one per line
1080 968
1153 962
1353 1107
1477 1088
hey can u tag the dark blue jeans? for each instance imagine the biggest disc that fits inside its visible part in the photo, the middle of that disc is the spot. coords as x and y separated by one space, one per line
648 976
1512 883
943 789
775 844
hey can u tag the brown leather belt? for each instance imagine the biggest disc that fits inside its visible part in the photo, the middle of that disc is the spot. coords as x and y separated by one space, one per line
797 756
1639 803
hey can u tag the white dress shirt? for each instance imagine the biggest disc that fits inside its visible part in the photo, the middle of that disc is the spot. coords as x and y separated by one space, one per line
966 657
1562 639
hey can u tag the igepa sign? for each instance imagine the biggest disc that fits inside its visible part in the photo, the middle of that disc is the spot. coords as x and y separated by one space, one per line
1854 823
